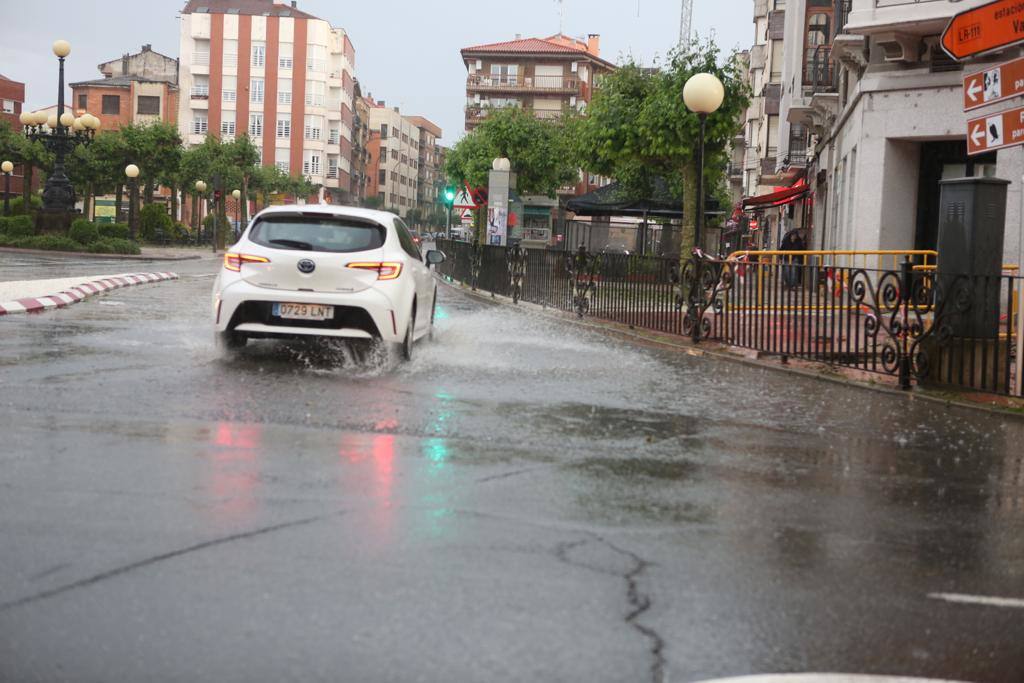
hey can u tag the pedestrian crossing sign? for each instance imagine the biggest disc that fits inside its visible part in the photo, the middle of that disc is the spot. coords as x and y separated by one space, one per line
464 200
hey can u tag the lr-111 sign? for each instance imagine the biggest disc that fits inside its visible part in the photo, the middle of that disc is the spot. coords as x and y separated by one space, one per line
987 133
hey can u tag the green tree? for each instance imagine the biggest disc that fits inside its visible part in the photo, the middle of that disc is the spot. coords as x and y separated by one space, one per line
15 147
637 127
538 149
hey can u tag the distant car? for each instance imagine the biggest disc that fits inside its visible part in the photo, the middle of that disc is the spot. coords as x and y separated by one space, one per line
325 271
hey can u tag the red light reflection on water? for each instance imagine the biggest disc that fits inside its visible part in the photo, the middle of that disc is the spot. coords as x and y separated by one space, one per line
368 469
234 472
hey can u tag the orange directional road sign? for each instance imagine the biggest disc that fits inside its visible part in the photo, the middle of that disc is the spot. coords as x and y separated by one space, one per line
988 27
1004 129
994 85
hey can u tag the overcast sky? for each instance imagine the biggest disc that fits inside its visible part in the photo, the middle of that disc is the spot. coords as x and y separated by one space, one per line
407 51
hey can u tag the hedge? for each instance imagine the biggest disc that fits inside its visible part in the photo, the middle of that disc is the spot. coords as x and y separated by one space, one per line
83 232
17 226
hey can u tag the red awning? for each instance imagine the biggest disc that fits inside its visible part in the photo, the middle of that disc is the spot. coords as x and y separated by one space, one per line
790 194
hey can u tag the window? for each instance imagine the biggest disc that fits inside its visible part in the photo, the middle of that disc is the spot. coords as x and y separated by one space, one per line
816 50
505 74
314 127
227 128
229 89
383 177
339 234
284 91
315 93
282 165
383 131
332 167
405 159
231 53
201 87
259 54
284 58
383 153
316 61
284 128
199 124
311 165
149 105
405 239
394 176
394 155
335 137
83 103
112 104
256 90
255 125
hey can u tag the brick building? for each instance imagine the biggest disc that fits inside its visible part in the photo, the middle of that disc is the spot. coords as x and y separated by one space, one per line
135 88
12 98
281 75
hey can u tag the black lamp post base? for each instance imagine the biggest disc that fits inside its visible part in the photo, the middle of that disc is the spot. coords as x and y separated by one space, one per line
59 194
54 222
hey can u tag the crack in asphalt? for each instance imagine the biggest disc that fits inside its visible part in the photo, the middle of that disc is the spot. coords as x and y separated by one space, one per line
149 561
639 602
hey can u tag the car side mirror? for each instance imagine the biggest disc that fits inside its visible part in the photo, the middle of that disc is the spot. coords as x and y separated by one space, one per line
435 257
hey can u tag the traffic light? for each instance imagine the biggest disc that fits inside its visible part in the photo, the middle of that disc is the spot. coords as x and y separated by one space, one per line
449 196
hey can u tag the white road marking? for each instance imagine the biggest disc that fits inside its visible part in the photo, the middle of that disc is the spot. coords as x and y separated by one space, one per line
978 600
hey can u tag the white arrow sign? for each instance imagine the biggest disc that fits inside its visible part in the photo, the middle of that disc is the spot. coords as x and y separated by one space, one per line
978 134
974 91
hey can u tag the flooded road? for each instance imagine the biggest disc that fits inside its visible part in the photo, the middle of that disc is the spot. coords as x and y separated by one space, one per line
524 501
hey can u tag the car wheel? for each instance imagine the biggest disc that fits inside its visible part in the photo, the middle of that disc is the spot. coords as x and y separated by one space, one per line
231 341
409 334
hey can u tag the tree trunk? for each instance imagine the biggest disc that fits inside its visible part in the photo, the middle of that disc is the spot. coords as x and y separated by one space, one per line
26 186
685 244
148 198
174 204
195 214
118 202
87 202
244 200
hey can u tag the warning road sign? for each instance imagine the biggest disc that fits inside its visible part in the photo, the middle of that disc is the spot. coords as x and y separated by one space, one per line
467 217
985 28
464 200
999 83
1004 129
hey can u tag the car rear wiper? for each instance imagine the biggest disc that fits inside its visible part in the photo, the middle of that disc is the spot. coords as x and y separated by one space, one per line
293 244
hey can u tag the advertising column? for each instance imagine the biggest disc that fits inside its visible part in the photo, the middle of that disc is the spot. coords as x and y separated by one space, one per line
497 212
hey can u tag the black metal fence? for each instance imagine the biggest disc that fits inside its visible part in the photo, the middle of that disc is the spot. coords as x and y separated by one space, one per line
914 324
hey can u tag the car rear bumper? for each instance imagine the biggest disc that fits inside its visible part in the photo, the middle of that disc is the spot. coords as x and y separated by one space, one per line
245 308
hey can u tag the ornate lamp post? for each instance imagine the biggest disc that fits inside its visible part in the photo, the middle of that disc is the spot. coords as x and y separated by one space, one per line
132 172
61 135
201 192
237 194
7 167
703 95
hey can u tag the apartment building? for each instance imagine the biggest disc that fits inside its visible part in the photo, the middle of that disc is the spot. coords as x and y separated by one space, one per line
12 98
135 88
277 73
431 180
395 153
881 107
360 144
546 76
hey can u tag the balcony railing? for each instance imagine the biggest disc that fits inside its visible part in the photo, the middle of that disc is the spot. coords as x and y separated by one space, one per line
481 82
201 58
819 72
200 92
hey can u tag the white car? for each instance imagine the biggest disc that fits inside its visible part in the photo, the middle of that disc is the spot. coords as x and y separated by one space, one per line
326 271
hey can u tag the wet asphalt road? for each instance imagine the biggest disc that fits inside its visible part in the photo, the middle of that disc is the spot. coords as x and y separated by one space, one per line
522 502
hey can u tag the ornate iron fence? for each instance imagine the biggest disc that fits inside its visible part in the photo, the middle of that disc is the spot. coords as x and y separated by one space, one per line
912 323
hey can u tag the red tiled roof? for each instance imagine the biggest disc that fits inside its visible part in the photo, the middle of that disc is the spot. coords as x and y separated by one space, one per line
524 46
253 7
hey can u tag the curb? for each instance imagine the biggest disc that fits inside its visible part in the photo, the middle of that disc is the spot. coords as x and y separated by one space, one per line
73 295
609 328
105 257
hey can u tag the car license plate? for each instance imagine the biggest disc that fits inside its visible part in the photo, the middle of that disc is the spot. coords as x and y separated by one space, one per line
304 311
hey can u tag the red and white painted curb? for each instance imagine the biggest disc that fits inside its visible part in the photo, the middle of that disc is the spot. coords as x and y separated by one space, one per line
73 295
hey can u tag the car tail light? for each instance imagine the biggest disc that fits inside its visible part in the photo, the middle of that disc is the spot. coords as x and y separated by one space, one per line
385 271
234 261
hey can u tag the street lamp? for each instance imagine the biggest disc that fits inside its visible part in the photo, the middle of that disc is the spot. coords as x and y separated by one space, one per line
237 194
132 171
703 95
60 136
7 167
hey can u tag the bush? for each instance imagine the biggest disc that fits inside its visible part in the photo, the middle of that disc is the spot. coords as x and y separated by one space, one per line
180 233
18 226
83 232
113 245
18 205
154 221
118 231
48 242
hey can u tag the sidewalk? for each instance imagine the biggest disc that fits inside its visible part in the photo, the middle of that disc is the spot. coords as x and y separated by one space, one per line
148 254
33 296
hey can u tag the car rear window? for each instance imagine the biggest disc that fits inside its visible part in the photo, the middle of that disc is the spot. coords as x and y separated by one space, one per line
307 232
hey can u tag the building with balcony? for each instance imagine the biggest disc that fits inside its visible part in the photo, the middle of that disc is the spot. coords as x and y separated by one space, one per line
431 164
403 156
360 143
278 74
881 106
135 88
12 99
546 76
